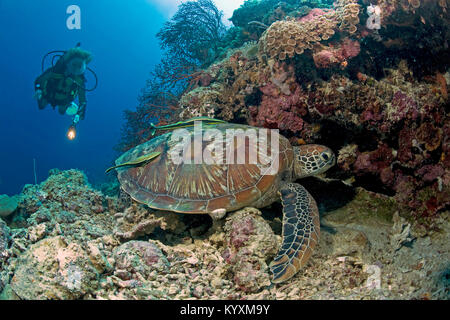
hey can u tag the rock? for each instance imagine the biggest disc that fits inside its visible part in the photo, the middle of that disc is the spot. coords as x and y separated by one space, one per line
4 240
97 258
4 244
43 214
7 205
37 232
250 243
54 269
137 221
401 232
346 242
8 293
139 258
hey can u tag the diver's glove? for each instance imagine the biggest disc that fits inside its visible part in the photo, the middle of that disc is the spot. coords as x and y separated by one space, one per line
38 94
72 109
76 119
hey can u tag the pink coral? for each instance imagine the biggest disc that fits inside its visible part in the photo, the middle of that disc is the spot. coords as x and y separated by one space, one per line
404 186
280 111
430 172
324 58
328 56
241 231
313 14
350 48
377 162
405 107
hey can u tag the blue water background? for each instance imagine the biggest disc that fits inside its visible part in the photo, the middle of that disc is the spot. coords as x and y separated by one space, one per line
121 36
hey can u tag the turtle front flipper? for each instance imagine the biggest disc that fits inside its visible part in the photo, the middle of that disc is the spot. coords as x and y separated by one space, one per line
301 227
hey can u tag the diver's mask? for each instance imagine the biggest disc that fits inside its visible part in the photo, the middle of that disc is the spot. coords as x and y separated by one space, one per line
76 66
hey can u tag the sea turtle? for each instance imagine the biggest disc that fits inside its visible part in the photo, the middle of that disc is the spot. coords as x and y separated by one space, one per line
152 174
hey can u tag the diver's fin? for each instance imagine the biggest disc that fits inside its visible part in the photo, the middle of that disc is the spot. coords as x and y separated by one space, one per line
137 162
187 124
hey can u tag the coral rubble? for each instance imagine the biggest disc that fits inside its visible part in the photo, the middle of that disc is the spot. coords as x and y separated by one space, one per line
88 257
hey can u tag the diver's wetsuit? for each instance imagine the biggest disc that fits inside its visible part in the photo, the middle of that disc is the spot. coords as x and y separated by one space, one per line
59 89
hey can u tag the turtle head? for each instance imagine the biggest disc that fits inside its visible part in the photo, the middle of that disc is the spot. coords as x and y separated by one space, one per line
312 159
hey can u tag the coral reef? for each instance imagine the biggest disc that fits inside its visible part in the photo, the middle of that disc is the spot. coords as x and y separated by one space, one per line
338 54
54 269
406 151
290 37
402 119
368 80
182 257
136 221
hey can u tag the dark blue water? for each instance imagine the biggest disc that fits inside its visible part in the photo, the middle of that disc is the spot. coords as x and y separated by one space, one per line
121 36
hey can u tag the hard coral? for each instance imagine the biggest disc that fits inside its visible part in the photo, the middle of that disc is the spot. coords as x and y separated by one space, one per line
347 12
281 111
327 56
290 37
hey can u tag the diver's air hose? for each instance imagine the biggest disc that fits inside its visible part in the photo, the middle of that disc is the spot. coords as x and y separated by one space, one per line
96 80
49 53
53 59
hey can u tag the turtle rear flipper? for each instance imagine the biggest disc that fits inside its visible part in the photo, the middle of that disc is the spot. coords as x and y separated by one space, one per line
301 227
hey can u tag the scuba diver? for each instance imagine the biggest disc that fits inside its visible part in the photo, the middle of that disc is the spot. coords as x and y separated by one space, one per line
63 82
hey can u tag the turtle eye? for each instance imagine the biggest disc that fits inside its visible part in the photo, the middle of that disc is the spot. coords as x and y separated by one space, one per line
325 156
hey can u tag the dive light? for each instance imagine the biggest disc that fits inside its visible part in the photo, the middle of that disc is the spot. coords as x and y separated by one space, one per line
71 133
